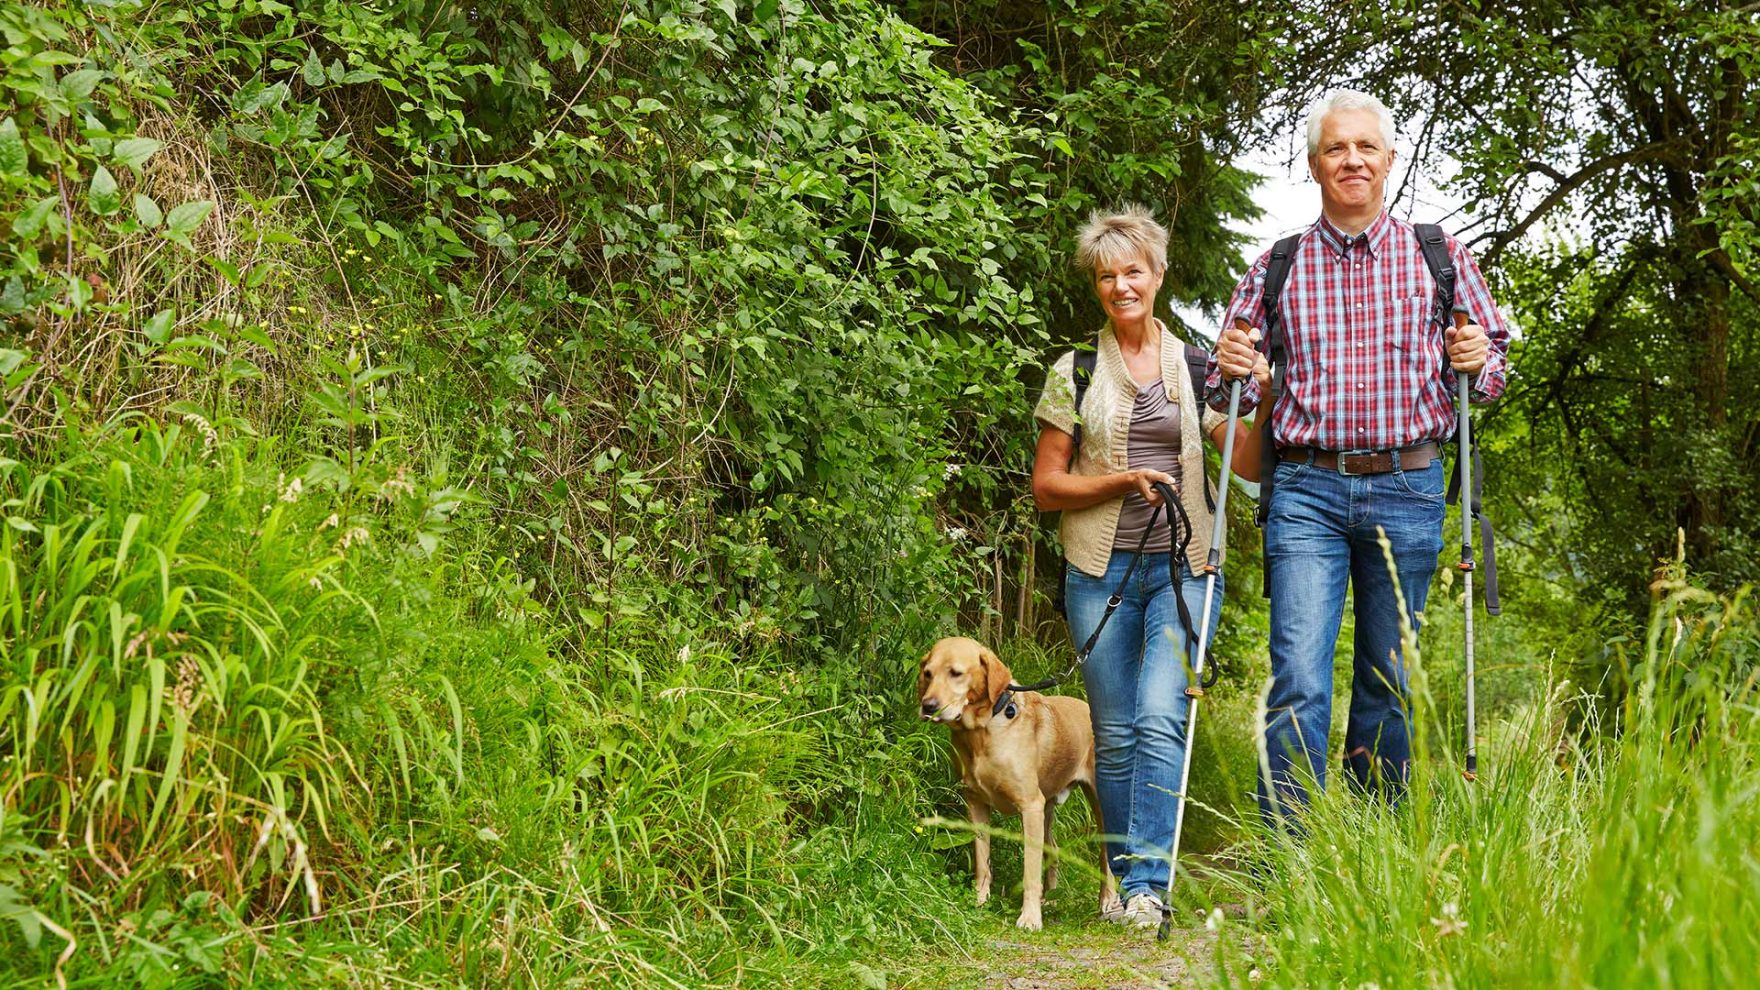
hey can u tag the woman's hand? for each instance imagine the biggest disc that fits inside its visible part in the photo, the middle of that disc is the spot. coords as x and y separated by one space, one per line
1055 488
1145 479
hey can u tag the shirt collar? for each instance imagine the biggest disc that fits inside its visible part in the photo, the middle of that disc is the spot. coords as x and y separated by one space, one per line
1339 244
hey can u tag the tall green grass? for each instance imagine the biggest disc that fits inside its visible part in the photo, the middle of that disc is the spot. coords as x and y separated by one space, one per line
1623 857
244 743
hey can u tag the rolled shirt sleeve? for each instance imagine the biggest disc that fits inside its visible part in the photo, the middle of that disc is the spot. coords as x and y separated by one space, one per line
1473 297
1247 304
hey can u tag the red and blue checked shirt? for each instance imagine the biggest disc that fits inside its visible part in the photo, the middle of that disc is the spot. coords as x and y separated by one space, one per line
1368 365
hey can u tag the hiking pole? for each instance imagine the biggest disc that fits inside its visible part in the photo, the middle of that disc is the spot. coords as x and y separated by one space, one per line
1195 688
1463 390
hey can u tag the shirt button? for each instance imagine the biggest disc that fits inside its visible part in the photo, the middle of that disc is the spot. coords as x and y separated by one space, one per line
1359 386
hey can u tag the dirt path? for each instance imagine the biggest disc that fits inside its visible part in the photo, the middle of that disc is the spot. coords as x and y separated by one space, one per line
1072 954
1101 958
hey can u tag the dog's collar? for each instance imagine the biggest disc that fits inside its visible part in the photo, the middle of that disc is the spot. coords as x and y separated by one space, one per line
1005 705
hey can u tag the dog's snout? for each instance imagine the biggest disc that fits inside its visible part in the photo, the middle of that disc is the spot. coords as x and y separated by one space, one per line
931 706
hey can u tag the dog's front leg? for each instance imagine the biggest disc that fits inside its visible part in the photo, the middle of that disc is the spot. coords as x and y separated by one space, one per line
1033 826
978 813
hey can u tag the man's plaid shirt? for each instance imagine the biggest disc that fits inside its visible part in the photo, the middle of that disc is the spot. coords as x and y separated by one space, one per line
1368 363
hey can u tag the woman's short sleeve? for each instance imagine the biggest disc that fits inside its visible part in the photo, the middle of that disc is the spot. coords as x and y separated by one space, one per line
1210 419
1057 403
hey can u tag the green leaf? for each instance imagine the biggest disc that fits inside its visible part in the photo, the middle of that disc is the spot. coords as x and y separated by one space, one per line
225 268
313 69
184 219
14 159
147 211
30 222
103 198
135 151
158 326
79 83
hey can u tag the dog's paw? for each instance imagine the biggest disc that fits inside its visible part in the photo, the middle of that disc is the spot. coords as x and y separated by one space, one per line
1029 920
983 895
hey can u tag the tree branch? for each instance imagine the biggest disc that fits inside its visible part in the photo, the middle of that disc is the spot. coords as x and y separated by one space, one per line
1727 267
1502 239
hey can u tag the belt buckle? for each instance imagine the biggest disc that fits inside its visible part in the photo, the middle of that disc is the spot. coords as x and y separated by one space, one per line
1345 455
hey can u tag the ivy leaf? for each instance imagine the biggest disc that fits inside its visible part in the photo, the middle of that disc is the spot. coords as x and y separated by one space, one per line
183 220
14 159
147 211
135 151
102 197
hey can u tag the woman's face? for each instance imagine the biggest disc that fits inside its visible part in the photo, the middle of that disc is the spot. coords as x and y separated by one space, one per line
1127 288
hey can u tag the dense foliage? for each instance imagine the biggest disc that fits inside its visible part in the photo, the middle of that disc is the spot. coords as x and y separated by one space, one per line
476 481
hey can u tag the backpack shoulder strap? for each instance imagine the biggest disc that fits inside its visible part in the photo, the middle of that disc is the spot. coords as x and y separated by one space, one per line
1198 368
1283 255
1434 244
1082 373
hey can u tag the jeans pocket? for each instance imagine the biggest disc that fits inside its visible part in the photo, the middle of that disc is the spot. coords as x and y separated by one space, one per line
1289 472
1424 484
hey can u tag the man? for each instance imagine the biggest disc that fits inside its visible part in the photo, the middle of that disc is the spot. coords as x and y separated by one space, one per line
1371 371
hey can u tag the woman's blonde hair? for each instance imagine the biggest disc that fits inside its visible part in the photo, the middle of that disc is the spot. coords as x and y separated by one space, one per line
1130 231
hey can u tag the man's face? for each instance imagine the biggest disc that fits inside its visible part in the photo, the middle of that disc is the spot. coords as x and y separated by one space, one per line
1352 162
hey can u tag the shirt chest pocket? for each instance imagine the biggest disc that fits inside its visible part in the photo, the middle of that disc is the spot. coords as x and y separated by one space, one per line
1407 328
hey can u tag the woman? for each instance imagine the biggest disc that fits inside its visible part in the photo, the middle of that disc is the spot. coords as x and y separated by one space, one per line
1140 425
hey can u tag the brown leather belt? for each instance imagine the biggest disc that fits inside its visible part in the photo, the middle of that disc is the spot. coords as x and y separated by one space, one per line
1413 458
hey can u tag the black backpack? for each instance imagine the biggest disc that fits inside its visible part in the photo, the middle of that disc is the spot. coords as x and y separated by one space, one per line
1434 244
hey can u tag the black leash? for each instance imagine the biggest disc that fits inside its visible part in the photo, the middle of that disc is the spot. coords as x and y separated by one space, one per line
1181 528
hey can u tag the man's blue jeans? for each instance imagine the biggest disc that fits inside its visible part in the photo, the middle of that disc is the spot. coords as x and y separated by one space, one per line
1322 533
1136 683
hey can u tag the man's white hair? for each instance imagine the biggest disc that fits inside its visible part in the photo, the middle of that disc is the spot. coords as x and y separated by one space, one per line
1348 99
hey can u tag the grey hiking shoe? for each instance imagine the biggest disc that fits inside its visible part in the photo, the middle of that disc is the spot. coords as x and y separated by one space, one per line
1142 911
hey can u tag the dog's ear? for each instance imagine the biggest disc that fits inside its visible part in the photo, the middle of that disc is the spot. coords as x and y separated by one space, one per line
995 679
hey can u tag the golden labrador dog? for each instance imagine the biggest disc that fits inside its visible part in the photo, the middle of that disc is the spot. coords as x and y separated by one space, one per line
1022 759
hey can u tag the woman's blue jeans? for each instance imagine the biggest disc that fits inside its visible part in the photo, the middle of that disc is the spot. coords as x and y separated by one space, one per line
1136 682
1323 533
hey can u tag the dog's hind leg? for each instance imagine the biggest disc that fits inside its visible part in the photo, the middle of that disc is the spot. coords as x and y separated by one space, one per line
979 814
1050 846
1109 902
1033 818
